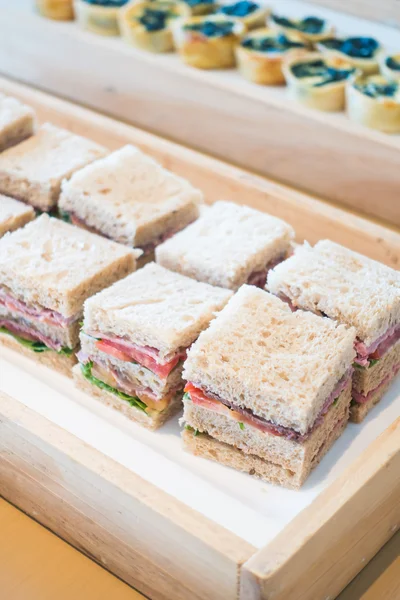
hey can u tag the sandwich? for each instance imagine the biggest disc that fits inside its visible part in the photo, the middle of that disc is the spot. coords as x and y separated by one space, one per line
332 281
228 246
268 390
129 198
33 170
17 122
47 270
134 340
13 214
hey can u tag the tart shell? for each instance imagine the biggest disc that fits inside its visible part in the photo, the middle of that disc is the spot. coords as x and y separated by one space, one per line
311 38
102 20
368 66
387 71
59 10
380 113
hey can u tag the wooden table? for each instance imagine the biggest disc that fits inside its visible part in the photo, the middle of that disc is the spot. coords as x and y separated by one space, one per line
37 565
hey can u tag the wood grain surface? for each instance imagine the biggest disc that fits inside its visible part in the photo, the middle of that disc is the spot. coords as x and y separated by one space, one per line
37 565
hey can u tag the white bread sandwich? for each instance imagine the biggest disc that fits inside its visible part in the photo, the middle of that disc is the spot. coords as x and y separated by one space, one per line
33 170
268 390
134 339
130 198
17 122
333 281
229 245
13 214
47 270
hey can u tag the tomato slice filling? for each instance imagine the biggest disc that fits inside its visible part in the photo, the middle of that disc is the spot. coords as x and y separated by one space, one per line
126 353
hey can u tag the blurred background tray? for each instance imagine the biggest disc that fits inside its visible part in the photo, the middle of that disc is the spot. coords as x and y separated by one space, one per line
220 113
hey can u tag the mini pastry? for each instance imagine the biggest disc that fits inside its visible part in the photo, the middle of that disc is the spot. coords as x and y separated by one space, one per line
311 29
99 16
319 81
208 42
260 55
374 101
362 52
390 67
251 13
201 7
147 25
60 10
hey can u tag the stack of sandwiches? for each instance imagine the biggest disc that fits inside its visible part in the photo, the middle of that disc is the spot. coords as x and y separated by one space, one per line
131 199
13 214
33 170
332 281
268 389
17 122
47 270
134 340
228 246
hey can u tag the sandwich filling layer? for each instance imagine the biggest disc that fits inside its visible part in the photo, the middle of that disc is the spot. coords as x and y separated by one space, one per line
360 398
135 373
212 402
259 277
37 327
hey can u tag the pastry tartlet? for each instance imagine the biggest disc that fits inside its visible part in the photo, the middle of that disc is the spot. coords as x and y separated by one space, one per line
319 81
374 101
260 54
251 13
99 16
201 7
60 10
208 42
147 25
390 66
311 29
364 53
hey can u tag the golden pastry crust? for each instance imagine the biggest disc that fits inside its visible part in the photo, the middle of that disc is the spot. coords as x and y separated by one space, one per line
390 66
311 29
202 8
265 66
367 65
319 81
59 10
374 101
153 32
102 20
208 42
255 18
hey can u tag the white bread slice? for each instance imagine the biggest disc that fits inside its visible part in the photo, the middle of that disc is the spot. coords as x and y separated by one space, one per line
33 170
130 198
346 286
281 365
155 307
17 122
226 245
58 266
13 214
58 362
152 422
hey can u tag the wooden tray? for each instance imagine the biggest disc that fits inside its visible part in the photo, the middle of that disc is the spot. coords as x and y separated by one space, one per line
174 526
253 126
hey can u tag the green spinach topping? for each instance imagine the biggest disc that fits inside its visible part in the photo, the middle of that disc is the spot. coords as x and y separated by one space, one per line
374 90
197 2
312 25
107 3
212 28
132 400
35 346
393 63
356 47
318 68
239 9
278 44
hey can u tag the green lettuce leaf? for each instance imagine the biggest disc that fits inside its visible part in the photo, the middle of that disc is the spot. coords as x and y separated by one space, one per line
132 400
241 425
35 346
194 431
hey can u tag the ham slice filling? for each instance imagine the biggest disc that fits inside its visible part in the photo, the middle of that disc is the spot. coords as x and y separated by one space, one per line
259 278
245 415
44 315
144 355
29 333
